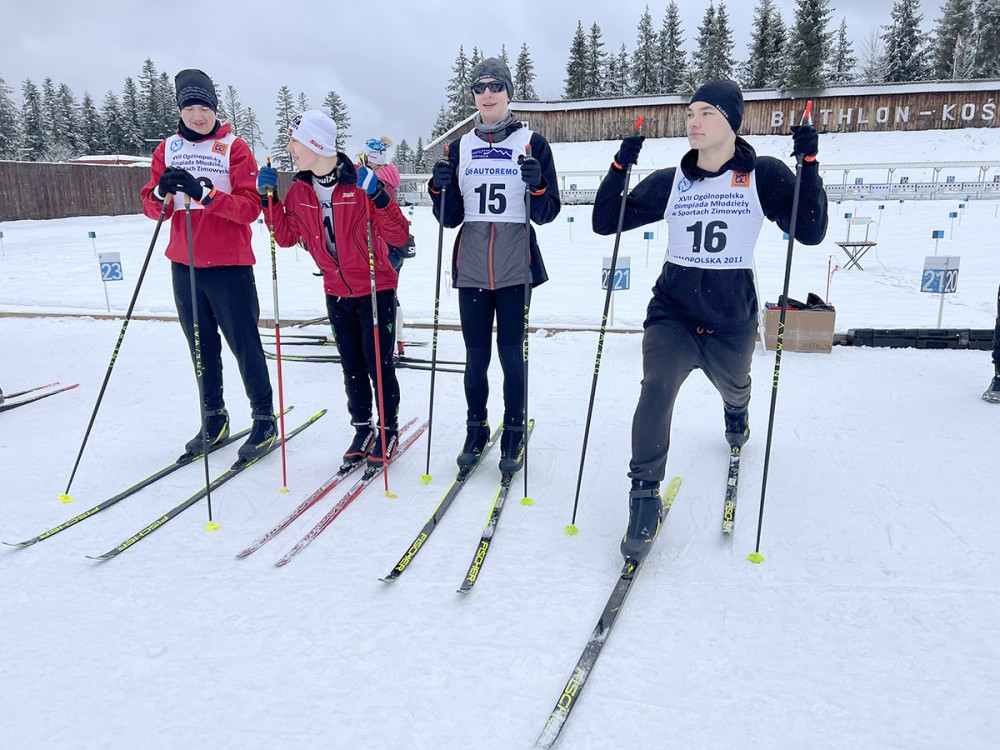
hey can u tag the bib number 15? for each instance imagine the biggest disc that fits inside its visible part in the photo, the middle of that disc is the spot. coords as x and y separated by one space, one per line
713 234
491 198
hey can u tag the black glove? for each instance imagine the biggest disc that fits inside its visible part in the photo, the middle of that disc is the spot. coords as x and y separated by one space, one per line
444 174
168 180
182 181
628 152
531 171
805 141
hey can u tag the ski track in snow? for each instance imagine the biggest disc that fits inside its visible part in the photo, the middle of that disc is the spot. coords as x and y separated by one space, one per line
872 623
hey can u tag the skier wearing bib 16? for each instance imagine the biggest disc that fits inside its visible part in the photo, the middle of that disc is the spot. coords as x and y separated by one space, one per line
703 313
483 182
217 170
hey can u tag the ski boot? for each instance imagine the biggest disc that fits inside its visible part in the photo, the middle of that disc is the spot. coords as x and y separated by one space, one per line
263 434
378 458
512 448
217 429
645 509
737 427
361 446
992 394
476 438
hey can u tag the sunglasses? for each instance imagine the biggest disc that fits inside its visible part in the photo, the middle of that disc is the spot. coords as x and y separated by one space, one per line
495 86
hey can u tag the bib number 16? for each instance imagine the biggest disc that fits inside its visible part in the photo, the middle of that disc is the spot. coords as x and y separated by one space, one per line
713 234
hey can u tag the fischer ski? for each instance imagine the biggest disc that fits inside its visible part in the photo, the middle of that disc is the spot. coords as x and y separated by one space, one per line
321 492
412 363
475 567
317 339
15 394
438 514
7 405
231 472
732 486
370 475
598 638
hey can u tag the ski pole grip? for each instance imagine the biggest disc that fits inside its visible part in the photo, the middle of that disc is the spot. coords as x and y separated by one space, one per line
807 114
638 124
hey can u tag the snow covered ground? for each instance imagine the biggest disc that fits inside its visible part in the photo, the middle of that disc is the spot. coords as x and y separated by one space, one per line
872 623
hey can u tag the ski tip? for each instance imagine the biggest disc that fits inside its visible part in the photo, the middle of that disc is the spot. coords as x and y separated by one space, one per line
284 491
426 478
391 495
20 544
99 558
212 526
527 501
387 579
756 558
64 498
572 529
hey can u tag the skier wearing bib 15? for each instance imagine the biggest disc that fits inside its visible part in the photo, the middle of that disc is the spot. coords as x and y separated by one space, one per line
335 209
218 171
703 313
483 182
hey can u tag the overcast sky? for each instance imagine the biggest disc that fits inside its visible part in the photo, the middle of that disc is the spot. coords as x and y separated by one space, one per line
389 61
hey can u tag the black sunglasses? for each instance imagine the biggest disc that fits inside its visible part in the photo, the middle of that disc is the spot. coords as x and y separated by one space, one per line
495 86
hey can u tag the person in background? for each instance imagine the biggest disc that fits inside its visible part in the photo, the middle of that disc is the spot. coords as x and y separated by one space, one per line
486 174
703 314
992 394
205 161
327 208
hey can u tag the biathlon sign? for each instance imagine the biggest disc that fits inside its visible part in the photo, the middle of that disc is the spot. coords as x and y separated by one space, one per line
623 274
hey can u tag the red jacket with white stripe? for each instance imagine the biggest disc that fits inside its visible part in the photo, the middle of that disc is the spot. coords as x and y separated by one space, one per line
300 218
221 229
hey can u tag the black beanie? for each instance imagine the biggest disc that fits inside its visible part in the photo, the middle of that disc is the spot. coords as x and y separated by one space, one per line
195 87
726 97
493 67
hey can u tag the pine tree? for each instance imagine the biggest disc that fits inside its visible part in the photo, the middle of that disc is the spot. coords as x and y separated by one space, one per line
112 127
253 136
713 57
34 141
338 111
645 67
302 103
10 132
619 75
871 66
442 124
905 44
843 62
474 59
69 122
524 76
131 125
576 66
765 47
670 43
284 111
503 55
460 101
809 45
91 134
988 39
596 61
235 114
952 46
418 154
150 101
169 114
403 158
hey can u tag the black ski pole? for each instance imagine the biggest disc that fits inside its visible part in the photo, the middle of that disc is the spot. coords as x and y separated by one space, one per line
198 365
426 478
755 557
527 302
277 335
65 496
572 529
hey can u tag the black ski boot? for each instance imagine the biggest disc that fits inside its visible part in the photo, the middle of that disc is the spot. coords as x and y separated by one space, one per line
645 509
378 458
737 427
263 434
362 444
476 437
512 448
217 427
992 393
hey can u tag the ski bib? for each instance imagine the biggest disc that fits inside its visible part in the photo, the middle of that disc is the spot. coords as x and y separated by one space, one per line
208 158
713 223
490 177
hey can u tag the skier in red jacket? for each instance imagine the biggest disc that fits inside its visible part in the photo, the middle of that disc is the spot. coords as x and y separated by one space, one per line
327 209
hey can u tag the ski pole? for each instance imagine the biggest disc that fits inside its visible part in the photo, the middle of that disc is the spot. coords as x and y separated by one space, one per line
755 557
526 500
65 496
572 529
426 478
198 365
378 349
277 336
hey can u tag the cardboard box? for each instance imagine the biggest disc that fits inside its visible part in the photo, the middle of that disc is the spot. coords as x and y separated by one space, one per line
805 330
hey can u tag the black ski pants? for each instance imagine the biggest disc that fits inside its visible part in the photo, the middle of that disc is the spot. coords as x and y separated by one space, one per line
996 338
478 308
227 301
671 349
354 329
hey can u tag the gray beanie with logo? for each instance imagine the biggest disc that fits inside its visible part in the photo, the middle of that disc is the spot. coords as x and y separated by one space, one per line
493 67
